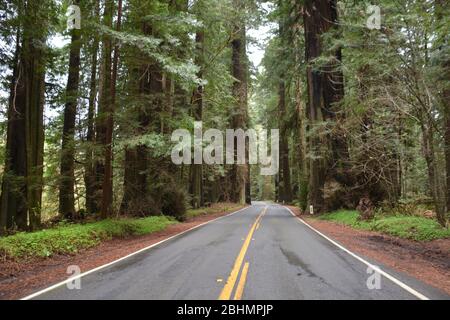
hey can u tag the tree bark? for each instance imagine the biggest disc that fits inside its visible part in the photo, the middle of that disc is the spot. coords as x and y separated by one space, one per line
107 198
89 177
314 13
447 144
325 91
196 186
7 210
286 190
67 182
442 199
103 106
441 13
22 182
300 130
301 147
239 174
430 158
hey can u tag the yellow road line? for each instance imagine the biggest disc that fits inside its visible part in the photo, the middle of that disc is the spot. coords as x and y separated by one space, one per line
241 284
228 288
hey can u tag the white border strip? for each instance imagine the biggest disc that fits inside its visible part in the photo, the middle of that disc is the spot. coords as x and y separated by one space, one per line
59 284
375 268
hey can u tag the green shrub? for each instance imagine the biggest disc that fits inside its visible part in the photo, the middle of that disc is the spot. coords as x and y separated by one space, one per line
408 227
411 227
174 203
142 207
71 238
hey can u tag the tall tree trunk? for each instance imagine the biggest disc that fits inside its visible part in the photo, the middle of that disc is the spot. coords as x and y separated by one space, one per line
148 83
67 183
325 91
196 186
447 143
22 180
239 173
277 188
131 183
430 158
313 21
8 211
286 190
248 182
107 198
89 177
300 130
441 14
333 92
168 111
300 147
103 105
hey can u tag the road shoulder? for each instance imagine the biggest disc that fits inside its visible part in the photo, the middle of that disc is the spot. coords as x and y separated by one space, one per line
426 261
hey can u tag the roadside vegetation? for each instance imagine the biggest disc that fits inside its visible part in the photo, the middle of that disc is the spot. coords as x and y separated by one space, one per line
67 238
72 238
417 228
86 133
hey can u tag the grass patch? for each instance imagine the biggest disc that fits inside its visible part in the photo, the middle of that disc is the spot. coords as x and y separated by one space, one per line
408 227
71 238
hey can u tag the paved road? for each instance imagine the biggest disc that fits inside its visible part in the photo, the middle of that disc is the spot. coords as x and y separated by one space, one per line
262 252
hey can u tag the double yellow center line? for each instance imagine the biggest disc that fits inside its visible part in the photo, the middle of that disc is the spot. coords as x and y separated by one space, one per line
231 281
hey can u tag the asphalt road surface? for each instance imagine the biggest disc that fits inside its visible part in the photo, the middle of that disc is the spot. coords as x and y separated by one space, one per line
262 252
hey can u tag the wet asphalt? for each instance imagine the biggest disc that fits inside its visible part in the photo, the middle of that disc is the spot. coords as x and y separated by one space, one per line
286 261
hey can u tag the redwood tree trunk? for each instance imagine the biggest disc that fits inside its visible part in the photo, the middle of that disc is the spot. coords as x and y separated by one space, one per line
430 158
89 176
22 180
107 198
103 106
325 91
447 144
441 7
313 23
67 183
286 190
196 186
300 147
8 210
239 173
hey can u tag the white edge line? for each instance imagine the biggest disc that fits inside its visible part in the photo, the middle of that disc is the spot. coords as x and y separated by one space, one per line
59 284
375 268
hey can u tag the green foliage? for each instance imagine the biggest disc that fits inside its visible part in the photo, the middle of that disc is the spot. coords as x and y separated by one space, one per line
303 195
393 79
408 227
173 202
150 46
416 228
72 238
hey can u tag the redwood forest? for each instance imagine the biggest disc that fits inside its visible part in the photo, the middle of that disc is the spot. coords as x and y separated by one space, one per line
354 97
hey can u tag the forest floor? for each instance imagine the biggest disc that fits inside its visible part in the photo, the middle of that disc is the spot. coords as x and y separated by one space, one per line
21 278
428 261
